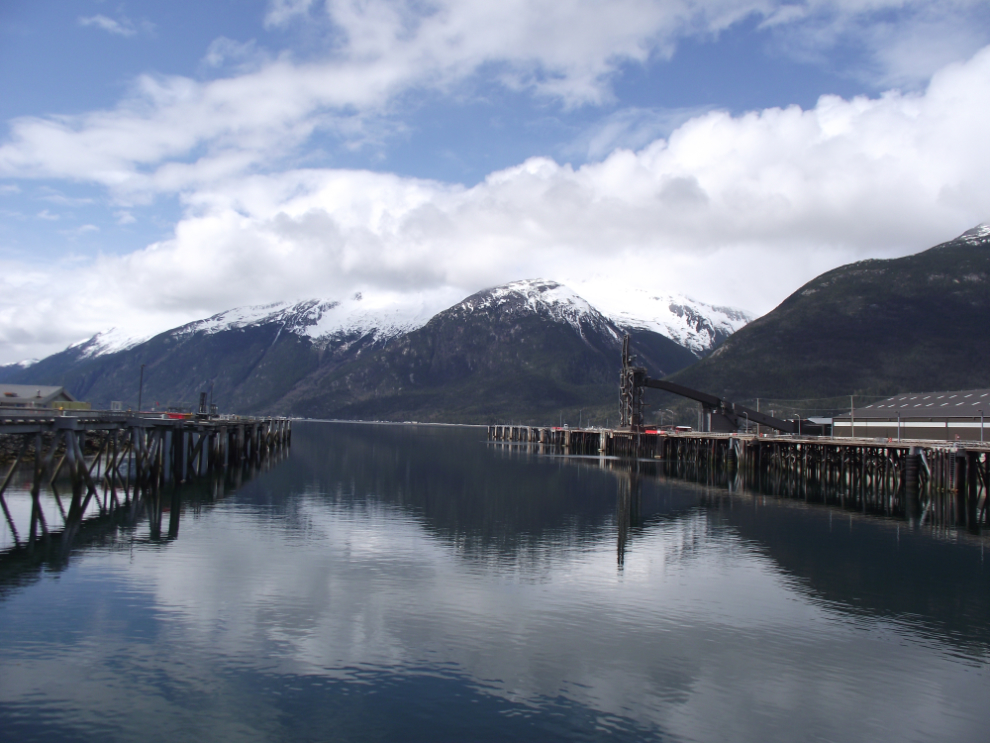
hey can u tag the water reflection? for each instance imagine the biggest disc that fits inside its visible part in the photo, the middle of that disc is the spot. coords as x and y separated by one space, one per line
414 583
120 512
935 578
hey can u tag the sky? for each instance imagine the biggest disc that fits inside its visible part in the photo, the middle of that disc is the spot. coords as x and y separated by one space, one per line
160 162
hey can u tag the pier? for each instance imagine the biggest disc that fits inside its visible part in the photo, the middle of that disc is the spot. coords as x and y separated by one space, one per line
134 452
925 481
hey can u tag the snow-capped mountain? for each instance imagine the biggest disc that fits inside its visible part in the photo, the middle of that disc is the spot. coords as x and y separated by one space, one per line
107 342
534 349
382 316
527 350
697 326
535 342
537 296
378 318
9 371
979 235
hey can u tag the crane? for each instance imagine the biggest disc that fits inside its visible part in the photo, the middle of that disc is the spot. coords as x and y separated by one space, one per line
720 415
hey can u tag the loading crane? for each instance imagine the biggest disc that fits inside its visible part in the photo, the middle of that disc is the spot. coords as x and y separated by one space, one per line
720 415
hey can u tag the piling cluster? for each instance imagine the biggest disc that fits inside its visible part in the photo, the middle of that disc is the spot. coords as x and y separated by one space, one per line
133 453
922 481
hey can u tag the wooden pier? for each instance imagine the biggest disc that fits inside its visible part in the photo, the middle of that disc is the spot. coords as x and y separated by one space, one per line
933 480
134 452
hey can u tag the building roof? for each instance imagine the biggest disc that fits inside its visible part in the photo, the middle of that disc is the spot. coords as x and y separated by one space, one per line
32 394
958 404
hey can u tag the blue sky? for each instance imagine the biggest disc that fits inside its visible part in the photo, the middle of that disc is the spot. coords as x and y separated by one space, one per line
163 161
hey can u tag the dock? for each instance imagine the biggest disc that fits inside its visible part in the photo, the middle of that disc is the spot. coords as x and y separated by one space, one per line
134 452
935 480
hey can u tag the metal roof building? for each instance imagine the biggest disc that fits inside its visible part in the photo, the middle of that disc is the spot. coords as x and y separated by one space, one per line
941 416
36 396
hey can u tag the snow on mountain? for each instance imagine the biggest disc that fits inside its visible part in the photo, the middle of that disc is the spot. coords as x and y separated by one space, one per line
535 295
976 236
17 365
694 325
107 341
382 315
697 326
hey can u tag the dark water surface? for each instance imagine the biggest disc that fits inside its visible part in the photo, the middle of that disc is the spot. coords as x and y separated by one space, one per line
400 583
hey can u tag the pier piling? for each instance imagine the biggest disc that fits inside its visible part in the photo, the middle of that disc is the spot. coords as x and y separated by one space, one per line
925 482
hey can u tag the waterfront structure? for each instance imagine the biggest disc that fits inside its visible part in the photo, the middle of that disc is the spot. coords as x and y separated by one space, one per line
134 451
918 479
38 396
931 416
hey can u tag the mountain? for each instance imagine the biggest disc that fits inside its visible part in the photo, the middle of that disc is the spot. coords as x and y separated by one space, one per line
528 348
8 372
248 357
695 325
916 323
525 351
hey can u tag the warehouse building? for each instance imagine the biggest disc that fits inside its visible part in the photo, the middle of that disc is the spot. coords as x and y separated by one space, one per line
38 396
938 416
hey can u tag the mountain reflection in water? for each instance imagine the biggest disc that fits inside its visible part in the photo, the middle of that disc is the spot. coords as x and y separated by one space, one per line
416 583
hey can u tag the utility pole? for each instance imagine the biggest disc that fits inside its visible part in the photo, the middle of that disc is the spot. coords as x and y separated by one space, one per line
140 388
852 418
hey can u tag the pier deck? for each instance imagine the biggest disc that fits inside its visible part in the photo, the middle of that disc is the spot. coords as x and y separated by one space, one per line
948 481
134 451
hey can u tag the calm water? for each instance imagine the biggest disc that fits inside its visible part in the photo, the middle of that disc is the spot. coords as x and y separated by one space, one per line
389 583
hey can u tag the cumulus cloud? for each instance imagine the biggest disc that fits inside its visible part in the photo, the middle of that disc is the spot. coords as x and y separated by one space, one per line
174 133
628 128
731 209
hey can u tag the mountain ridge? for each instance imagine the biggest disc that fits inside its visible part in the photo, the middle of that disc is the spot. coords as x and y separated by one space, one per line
879 326
703 326
272 358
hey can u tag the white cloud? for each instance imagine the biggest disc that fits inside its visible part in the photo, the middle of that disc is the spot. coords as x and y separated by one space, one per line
281 12
912 52
120 28
224 51
898 43
79 231
628 128
733 210
55 197
175 133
